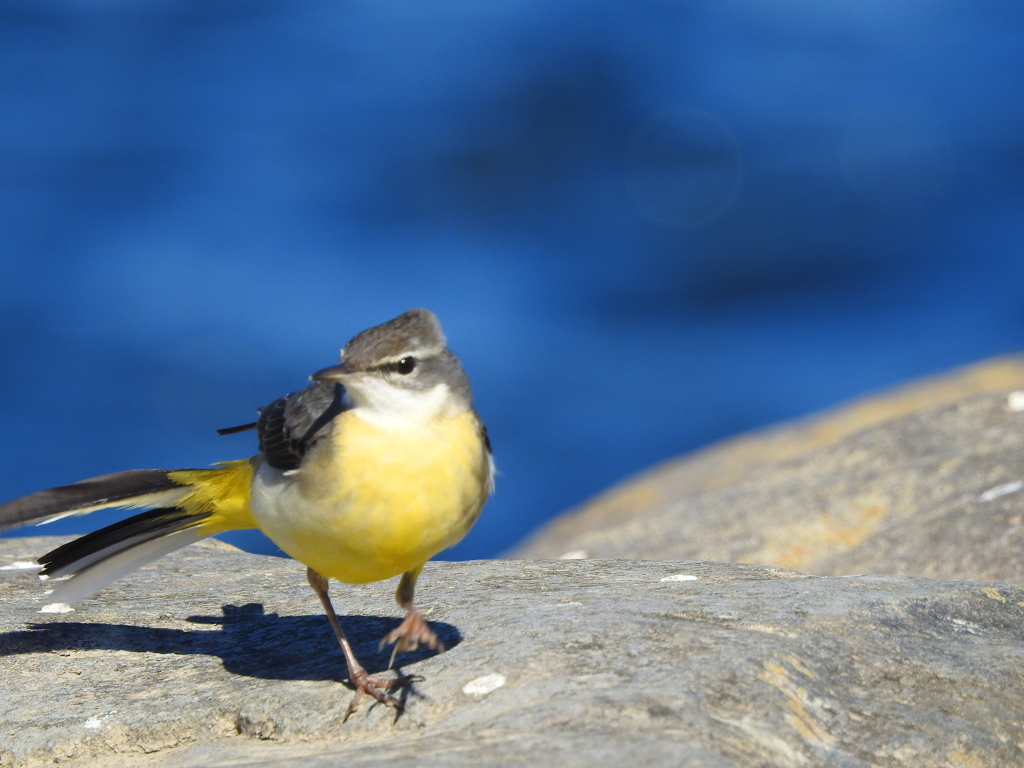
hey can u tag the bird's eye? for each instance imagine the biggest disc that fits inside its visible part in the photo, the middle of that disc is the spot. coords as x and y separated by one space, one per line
406 365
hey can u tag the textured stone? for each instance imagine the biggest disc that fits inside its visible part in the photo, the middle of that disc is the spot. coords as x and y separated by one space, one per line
937 493
215 657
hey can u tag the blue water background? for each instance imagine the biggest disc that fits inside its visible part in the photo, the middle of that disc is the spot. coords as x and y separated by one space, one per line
645 225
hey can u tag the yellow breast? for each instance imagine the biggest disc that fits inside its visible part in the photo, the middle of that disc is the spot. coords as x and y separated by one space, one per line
372 502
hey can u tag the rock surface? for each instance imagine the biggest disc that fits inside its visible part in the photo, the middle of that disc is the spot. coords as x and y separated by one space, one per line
215 657
937 493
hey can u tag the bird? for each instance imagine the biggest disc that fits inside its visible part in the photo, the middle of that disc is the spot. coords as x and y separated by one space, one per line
365 474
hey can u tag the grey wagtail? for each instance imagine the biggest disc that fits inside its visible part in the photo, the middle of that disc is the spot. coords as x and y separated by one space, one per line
365 474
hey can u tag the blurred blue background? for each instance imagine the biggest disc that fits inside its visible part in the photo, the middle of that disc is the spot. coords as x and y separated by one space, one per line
645 225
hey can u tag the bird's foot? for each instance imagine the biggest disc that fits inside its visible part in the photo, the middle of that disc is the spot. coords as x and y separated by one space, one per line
408 635
377 688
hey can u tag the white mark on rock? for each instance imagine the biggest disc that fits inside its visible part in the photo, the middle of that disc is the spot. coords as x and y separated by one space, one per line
973 629
21 565
574 554
483 685
96 722
1015 401
56 608
1001 490
680 577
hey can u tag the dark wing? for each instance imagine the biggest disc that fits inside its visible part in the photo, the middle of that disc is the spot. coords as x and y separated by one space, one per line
292 424
236 430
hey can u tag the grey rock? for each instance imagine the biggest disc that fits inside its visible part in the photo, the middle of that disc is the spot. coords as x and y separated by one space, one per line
938 493
732 460
213 657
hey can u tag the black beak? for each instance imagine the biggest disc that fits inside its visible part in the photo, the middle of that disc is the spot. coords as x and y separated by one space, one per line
334 373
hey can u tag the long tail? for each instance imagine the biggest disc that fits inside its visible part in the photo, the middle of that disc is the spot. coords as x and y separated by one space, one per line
184 506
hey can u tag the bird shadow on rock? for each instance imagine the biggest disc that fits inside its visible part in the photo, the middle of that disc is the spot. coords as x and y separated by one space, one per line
248 640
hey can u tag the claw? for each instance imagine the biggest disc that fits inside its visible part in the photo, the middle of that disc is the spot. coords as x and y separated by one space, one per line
377 688
408 635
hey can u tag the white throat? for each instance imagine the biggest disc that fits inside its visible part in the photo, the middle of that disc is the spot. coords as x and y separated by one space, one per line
395 408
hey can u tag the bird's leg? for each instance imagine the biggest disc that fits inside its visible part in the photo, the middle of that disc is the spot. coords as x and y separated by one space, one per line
357 676
413 630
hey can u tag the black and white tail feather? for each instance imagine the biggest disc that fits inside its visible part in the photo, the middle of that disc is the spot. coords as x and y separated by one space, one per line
95 560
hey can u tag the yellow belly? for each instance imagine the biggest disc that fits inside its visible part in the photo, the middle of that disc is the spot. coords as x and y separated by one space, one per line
373 503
